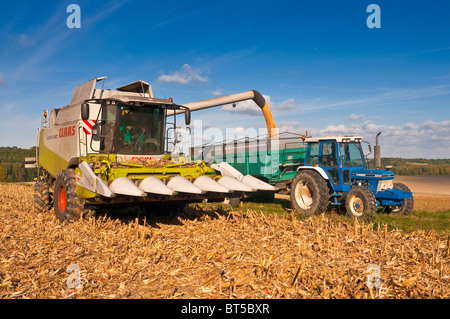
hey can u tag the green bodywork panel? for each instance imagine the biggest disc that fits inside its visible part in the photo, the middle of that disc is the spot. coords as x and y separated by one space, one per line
274 166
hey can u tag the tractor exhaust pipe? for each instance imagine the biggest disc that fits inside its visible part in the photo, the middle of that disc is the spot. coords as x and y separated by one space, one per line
376 153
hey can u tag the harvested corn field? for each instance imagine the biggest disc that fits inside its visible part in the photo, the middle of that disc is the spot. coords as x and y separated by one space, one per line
212 253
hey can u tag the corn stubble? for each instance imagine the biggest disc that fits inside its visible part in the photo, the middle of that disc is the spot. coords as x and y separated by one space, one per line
206 253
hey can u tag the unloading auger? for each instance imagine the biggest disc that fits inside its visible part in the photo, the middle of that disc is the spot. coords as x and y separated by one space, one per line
107 148
233 98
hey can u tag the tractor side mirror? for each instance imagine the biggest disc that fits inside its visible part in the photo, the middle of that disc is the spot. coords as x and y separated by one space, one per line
370 148
187 116
85 111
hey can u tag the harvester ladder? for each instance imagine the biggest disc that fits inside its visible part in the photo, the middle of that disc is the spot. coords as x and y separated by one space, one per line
82 141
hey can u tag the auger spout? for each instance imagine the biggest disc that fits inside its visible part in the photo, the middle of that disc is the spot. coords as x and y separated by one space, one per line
233 98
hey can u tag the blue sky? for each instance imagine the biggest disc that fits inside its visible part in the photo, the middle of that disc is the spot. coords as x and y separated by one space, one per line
316 62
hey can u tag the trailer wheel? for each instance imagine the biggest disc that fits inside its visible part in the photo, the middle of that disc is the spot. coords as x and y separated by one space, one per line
67 203
42 200
406 207
233 202
309 193
359 201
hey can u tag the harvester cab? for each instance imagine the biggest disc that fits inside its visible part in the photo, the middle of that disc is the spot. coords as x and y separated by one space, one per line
107 148
336 171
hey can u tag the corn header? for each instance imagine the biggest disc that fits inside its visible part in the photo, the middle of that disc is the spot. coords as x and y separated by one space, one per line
108 147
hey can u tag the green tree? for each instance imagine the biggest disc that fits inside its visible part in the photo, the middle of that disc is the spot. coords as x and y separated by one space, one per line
3 174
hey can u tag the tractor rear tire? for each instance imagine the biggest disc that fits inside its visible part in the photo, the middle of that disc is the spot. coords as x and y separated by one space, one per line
406 207
309 193
67 203
359 201
42 199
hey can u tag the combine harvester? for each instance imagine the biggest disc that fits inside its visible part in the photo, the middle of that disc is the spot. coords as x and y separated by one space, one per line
107 148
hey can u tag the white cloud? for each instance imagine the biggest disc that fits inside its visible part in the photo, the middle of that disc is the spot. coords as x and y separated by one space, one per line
248 107
288 126
355 117
14 115
184 76
217 92
287 104
443 77
429 139
384 97
25 40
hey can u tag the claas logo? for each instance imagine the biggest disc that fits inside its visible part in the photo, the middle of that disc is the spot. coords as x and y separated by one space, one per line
67 131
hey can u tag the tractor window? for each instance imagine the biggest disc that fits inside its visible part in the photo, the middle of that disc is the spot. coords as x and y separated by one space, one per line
312 153
328 157
351 154
141 130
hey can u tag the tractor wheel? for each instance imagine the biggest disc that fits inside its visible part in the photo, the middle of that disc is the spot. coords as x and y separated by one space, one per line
309 193
406 207
359 201
68 206
42 200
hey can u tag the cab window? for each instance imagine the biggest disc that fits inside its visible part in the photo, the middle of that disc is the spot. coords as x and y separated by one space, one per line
328 157
312 154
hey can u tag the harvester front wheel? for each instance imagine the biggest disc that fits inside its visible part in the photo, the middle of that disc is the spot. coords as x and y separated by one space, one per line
42 202
359 201
309 193
406 207
67 203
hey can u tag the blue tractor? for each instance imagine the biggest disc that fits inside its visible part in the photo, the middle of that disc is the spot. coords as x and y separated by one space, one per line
336 171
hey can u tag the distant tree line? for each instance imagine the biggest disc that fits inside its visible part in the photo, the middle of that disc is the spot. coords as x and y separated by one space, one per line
12 164
416 166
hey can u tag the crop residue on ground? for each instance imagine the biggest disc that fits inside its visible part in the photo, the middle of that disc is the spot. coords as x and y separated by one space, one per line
206 253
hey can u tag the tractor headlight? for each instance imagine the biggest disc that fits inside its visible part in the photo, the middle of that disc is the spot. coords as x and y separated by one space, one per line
383 185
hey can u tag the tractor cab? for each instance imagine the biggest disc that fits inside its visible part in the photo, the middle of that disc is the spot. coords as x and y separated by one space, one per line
337 157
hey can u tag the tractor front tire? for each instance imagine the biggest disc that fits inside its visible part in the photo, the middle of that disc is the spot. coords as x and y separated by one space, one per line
309 193
359 201
67 203
406 207
42 200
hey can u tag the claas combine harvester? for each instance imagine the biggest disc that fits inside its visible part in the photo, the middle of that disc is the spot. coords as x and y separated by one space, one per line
107 148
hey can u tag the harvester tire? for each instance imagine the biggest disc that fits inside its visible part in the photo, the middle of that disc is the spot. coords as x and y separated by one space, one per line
42 201
359 201
405 208
309 193
67 203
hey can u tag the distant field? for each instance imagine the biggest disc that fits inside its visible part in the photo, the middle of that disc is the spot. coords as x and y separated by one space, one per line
438 185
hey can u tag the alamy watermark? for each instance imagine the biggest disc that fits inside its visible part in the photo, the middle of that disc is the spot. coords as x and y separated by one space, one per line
374 19
74 279
373 279
74 19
